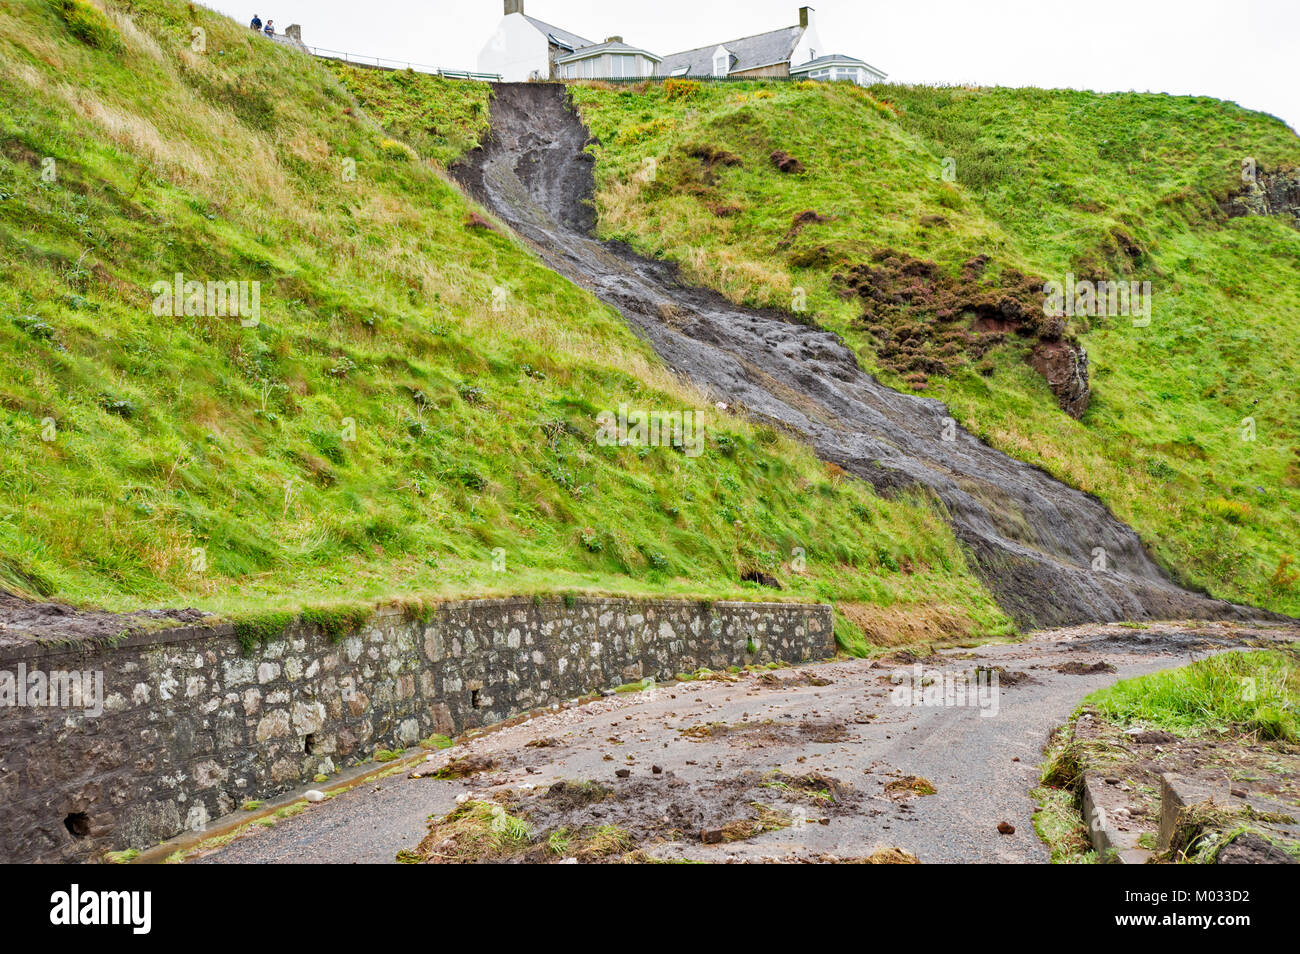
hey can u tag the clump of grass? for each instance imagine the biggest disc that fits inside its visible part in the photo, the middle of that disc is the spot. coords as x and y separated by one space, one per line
1253 692
440 118
337 621
765 818
604 841
639 686
259 628
1061 827
88 24
475 831
559 841
1065 763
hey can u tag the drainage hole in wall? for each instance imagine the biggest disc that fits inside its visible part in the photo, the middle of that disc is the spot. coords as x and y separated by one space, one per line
309 743
473 698
78 824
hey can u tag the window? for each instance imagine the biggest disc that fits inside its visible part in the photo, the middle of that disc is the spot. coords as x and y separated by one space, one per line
589 68
722 64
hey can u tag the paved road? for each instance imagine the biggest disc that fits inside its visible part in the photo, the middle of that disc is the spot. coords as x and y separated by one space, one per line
850 729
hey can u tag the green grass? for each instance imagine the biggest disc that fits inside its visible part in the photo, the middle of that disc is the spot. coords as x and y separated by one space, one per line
1254 692
1044 182
413 418
442 119
1058 823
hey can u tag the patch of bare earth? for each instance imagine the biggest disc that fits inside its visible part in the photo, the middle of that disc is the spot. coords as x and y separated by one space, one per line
630 820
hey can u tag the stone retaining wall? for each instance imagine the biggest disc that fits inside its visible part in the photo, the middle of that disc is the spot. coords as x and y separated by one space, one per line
192 727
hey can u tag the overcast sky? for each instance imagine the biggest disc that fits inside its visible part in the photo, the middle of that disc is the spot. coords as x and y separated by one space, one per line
1242 50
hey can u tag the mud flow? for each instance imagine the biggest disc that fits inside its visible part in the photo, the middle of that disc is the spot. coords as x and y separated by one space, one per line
1033 539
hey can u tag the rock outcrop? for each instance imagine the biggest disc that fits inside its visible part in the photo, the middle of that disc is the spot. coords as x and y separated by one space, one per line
1272 193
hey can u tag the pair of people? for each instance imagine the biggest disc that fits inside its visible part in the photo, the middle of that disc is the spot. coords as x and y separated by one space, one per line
269 29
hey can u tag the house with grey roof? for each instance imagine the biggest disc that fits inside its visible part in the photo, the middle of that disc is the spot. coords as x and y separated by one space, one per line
794 51
764 54
524 48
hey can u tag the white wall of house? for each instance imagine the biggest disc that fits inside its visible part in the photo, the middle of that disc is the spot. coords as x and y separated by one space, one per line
809 46
721 60
517 50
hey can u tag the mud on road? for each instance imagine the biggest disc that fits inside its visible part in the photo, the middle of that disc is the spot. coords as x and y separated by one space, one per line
1033 538
814 763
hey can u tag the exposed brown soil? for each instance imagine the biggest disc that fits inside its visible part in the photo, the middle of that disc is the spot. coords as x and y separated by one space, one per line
713 156
926 321
795 677
767 733
799 222
1083 669
909 786
1251 849
22 621
595 822
786 163
464 767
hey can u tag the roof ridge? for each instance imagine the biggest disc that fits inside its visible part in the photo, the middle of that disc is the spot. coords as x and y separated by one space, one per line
738 39
551 26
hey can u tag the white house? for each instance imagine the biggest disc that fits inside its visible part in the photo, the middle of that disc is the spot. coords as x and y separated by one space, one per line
524 48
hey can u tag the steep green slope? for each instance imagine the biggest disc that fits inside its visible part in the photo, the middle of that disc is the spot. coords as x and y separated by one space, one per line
936 201
414 411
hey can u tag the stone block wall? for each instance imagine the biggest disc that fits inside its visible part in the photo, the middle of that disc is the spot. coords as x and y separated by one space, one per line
192 726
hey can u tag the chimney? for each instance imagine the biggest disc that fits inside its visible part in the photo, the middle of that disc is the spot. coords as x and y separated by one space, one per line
514 6
805 16
613 39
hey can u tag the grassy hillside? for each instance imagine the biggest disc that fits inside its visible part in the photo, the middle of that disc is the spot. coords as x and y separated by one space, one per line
414 411
909 185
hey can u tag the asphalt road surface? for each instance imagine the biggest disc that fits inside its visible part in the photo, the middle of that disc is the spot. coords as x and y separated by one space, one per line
842 721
